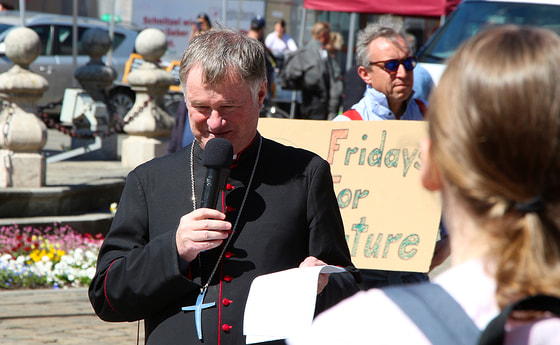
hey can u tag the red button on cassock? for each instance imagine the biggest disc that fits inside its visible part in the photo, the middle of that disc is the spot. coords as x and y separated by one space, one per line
230 209
226 302
229 255
228 278
229 186
226 327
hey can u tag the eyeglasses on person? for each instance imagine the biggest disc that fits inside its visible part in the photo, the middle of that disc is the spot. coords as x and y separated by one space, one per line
392 65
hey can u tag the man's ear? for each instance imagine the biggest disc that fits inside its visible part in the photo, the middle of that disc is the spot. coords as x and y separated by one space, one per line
363 73
261 93
429 173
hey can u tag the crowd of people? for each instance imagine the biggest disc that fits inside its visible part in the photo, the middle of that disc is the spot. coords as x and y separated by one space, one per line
185 268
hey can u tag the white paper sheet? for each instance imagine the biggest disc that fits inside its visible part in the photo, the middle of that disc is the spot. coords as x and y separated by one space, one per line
282 303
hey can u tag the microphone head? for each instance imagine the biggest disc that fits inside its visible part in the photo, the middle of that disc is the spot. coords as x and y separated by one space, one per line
218 154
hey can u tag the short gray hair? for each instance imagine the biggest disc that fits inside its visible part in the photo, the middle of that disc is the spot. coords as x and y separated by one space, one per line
225 54
389 30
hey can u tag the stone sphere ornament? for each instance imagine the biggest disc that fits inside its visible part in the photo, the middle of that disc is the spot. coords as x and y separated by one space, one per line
151 44
96 43
23 46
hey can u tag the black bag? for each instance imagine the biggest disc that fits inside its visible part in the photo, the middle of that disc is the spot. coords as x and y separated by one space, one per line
494 332
291 78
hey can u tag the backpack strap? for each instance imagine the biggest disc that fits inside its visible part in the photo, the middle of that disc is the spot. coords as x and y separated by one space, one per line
422 106
352 114
436 313
494 332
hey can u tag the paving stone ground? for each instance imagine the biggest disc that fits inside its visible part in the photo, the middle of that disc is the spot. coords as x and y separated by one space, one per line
30 317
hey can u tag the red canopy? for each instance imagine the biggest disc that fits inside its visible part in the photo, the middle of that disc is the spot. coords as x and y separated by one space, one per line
416 8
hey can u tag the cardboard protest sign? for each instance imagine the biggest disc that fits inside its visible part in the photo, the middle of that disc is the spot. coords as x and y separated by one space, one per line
391 222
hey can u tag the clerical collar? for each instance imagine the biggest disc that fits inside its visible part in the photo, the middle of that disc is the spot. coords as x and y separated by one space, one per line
247 150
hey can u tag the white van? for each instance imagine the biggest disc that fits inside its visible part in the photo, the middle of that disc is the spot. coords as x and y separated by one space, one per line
472 16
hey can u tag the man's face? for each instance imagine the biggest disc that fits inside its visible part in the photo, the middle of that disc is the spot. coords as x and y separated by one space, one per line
397 86
228 110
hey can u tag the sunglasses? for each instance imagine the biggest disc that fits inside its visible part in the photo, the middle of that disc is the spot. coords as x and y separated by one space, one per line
392 65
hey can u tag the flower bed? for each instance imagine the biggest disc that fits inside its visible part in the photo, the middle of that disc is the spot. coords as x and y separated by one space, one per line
53 257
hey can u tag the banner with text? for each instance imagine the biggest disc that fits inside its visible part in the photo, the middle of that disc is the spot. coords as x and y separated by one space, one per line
391 222
177 18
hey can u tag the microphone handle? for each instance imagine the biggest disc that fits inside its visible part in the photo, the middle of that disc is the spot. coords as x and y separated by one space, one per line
215 181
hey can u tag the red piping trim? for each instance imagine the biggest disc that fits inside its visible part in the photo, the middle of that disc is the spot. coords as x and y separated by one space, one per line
220 306
105 287
243 151
224 201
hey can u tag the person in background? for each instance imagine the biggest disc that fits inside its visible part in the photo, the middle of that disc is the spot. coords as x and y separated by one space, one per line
492 155
385 64
311 68
355 87
187 269
256 32
279 42
333 47
203 24
256 28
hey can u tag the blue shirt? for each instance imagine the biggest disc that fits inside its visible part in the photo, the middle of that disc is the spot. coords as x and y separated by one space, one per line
374 107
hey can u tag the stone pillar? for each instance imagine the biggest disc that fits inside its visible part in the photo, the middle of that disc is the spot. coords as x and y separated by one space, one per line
23 134
147 122
96 78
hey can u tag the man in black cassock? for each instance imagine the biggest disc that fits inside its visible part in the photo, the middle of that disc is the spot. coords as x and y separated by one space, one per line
181 267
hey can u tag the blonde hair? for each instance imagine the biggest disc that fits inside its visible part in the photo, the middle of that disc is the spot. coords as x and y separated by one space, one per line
319 28
336 40
494 122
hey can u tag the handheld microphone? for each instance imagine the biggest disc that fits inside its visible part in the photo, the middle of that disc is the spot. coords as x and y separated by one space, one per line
217 157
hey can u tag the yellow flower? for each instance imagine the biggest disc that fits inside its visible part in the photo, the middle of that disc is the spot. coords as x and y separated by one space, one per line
37 255
113 208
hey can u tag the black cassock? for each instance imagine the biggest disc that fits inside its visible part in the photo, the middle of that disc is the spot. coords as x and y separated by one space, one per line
291 212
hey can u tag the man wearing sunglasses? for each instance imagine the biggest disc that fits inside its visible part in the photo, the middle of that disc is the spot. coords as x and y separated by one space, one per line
386 65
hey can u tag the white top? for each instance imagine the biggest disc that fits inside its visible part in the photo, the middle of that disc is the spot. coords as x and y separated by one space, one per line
371 317
280 46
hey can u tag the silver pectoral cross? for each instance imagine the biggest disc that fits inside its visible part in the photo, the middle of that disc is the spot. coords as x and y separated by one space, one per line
198 310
